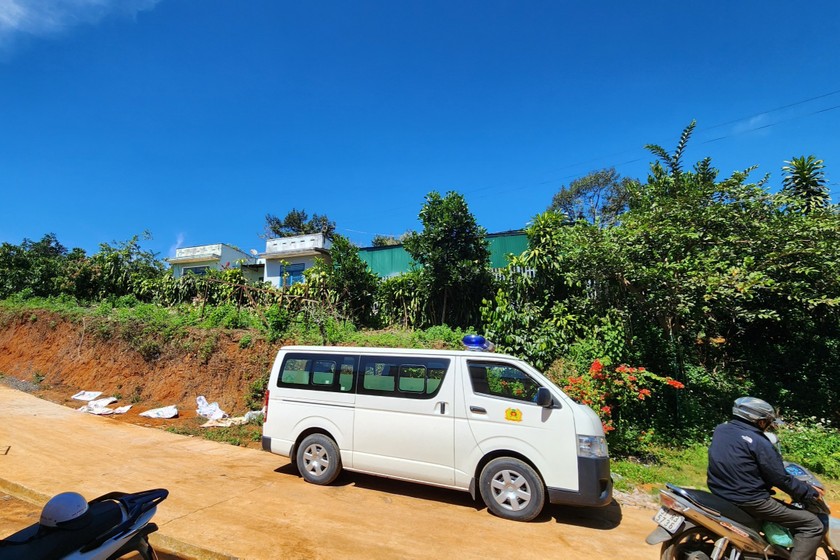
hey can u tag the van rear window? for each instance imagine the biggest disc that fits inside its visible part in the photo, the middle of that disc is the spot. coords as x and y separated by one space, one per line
325 372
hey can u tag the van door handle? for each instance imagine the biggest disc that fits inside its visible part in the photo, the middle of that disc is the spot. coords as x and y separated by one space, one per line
443 408
478 410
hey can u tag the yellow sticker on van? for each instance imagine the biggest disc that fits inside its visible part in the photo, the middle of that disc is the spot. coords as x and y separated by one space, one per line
513 415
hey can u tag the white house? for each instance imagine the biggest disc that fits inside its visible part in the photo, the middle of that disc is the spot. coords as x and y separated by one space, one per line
200 259
287 257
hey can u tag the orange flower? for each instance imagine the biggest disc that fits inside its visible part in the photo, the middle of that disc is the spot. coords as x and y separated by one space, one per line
596 367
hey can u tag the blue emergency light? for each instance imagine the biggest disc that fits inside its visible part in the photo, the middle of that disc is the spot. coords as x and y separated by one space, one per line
477 343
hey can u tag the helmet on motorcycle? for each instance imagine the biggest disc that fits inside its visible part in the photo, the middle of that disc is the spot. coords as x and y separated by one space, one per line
67 510
754 410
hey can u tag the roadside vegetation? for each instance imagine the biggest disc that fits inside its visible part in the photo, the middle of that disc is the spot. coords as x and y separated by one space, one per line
655 302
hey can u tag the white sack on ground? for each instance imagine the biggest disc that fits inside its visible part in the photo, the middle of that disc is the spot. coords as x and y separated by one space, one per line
211 410
99 406
163 412
225 422
86 395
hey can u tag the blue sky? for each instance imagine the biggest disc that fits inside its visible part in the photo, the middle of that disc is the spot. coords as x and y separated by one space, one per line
193 119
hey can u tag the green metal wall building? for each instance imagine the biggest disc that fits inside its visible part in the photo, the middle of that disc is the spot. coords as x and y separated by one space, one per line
394 260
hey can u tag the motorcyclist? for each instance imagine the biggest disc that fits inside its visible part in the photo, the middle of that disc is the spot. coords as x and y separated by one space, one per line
744 467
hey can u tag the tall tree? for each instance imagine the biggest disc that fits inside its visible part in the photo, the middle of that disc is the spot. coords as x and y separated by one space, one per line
298 222
453 252
599 197
805 182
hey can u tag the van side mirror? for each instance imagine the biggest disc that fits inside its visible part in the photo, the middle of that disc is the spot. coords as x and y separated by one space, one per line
544 397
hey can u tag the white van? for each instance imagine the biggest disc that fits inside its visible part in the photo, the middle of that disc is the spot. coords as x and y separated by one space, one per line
466 420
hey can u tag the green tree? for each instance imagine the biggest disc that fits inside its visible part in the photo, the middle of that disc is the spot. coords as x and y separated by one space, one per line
298 222
711 281
599 197
40 267
805 183
116 270
453 254
385 241
350 285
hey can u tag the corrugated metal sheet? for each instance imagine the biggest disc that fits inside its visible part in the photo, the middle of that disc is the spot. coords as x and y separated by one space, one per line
386 261
503 244
394 260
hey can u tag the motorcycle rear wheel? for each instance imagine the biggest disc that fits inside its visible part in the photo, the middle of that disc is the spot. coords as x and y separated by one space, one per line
694 544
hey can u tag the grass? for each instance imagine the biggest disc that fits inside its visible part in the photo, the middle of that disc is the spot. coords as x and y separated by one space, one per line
683 467
235 435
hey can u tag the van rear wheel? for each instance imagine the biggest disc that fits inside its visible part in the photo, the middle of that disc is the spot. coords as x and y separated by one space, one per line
318 459
512 489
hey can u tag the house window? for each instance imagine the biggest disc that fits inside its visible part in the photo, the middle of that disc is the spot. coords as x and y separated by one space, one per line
292 274
197 270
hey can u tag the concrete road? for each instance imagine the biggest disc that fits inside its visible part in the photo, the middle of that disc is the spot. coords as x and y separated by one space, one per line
230 502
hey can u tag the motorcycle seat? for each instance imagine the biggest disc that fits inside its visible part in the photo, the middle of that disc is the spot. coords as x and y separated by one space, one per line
717 506
37 541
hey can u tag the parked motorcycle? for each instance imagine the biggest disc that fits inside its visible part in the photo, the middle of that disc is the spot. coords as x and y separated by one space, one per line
697 525
105 528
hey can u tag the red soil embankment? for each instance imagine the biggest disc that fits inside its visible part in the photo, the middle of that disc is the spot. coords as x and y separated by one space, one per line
64 357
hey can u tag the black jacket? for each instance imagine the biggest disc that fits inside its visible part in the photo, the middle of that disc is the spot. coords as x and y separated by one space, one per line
744 466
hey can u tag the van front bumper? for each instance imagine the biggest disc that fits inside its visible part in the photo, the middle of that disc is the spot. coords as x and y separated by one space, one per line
594 485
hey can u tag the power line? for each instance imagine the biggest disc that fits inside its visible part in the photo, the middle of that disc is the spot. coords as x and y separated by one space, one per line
788 106
771 124
701 129
554 180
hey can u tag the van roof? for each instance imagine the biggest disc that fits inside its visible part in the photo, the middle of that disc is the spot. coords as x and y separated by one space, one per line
404 351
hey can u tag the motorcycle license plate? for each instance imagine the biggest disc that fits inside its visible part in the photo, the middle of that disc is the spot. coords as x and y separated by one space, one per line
671 522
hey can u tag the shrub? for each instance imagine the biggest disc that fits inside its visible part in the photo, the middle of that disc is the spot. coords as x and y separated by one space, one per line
812 443
149 349
619 395
278 320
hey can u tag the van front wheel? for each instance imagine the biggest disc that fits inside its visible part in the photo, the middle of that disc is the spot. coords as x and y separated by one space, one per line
512 489
318 459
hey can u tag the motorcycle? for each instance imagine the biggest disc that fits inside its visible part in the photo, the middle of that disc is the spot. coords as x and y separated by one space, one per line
697 525
112 526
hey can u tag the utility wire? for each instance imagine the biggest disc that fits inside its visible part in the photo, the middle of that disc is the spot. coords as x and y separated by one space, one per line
555 180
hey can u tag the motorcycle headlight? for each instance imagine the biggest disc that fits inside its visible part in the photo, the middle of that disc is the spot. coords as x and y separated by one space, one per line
592 446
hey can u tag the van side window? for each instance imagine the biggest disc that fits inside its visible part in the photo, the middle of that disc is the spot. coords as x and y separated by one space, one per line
407 377
324 372
502 380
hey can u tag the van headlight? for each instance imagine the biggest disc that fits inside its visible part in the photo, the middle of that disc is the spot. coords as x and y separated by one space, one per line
592 446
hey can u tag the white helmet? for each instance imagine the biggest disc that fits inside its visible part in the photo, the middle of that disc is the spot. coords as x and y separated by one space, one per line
65 510
752 410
